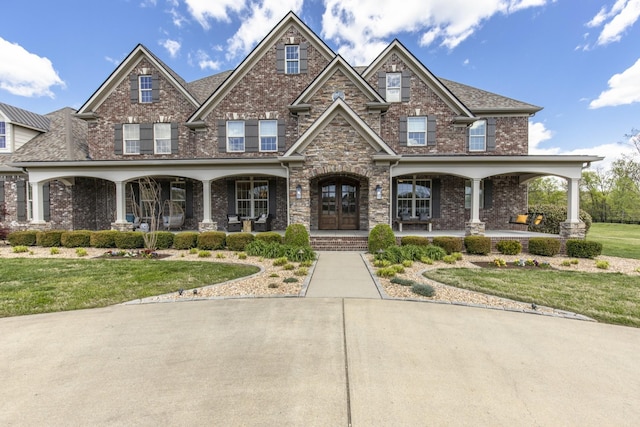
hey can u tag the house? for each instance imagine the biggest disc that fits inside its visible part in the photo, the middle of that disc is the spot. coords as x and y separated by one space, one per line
294 131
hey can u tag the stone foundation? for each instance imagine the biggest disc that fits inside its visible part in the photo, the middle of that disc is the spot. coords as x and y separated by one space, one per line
207 226
474 228
573 230
122 226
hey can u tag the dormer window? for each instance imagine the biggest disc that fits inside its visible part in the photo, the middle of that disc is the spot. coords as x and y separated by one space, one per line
395 86
3 136
145 88
292 59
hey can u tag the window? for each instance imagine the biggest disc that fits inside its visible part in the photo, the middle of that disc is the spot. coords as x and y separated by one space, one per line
467 194
417 130
3 136
394 81
478 136
162 137
292 59
145 87
131 136
268 135
235 136
29 201
252 197
413 196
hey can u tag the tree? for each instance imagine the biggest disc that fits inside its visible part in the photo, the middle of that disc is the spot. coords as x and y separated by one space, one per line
150 204
595 189
547 190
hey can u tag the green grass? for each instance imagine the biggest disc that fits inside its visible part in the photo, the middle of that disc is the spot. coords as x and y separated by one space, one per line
606 297
619 240
29 286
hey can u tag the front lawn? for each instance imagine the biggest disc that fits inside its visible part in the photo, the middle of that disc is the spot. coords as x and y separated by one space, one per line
29 286
606 297
619 240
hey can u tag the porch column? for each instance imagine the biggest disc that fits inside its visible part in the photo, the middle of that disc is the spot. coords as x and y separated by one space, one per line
37 199
206 201
475 200
121 202
573 201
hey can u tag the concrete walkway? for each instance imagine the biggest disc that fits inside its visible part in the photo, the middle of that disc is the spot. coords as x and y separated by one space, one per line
341 275
315 362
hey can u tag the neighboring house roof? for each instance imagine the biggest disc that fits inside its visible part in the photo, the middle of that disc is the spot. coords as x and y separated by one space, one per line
25 118
204 87
482 102
66 140
256 54
122 72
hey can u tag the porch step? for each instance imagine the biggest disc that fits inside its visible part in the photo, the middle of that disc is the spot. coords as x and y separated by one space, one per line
339 243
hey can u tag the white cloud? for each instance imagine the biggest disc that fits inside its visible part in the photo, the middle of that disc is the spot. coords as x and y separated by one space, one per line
204 61
622 15
361 27
624 88
539 133
177 18
172 46
26 74
112 60
203 10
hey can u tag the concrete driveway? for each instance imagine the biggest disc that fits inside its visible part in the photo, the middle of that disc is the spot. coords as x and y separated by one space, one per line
315 362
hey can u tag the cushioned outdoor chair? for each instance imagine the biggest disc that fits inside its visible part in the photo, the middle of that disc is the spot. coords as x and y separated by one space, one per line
263 223
233 223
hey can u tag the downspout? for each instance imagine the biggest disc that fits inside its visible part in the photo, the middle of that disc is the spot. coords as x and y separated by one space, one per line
288 194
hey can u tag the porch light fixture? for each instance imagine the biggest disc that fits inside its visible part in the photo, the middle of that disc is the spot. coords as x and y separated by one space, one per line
378 192
298 192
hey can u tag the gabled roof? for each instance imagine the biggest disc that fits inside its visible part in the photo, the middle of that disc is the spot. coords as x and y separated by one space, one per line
483 102
66 140
422 72
204 87
25 118
258 52
124 69
340 108
339 64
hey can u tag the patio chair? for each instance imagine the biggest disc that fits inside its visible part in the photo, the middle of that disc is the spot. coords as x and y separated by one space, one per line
263 223
233 223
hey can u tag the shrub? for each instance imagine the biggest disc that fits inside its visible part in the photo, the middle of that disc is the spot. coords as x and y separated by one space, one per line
296 235
302 271
185 240
554 216
426 260
239 241
264 249
103 239
164 239
273 285
509 247
299 253
18 249
448 243
423 289
204 254
54 251
290 280
129 240
602 264
449 259
193 251
81 252
22 238
211 240
220 255
48 238
386 272
414 240
545 246
402 282
381 263
457 256
477 245
76 239
269 237
381 237
407 263
280 261
242 255
288 266
583 248
398 268
435 253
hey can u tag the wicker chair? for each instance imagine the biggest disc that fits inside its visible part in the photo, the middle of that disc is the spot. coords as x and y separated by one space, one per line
233 223
263 223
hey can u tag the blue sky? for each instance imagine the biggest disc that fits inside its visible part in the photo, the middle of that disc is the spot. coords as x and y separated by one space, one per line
580 60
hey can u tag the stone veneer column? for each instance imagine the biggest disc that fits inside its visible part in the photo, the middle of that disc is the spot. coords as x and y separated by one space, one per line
474 228
573 230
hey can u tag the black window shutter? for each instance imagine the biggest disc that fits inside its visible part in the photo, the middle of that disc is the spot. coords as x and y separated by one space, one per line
155 87
491 134
282 135
488 194
382 84
146 138
431 130
46 201
133 80
280 58
251 136
402 134
174 138
21 200
117 138
405 92
394 199
189 198
1 191
222 136
231 197
272 198
435 198
303 58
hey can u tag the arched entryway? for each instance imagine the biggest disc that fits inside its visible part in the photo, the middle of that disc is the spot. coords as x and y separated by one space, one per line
338 204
